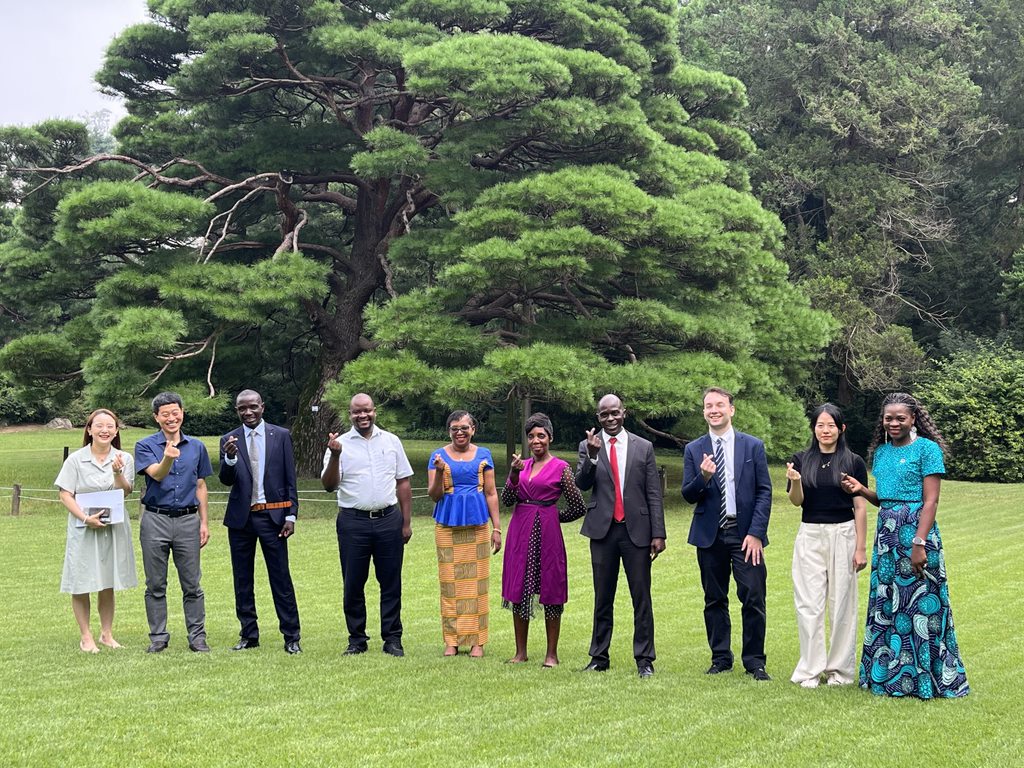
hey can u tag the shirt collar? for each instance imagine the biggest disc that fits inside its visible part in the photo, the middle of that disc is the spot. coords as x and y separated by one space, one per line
353 434
727 439
258 429
620 438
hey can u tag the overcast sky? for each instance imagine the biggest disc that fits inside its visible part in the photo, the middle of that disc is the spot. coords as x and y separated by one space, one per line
50 53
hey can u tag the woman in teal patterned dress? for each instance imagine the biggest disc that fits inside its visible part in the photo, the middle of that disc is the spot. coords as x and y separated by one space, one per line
910 646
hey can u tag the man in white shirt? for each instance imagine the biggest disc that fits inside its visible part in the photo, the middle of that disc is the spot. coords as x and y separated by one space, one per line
371 473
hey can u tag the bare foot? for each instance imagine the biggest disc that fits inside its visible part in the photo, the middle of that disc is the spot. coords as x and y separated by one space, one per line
110 642
88 646
476 652
451 650
517 659
550 662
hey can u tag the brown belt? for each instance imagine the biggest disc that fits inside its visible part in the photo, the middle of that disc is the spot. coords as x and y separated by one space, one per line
270 505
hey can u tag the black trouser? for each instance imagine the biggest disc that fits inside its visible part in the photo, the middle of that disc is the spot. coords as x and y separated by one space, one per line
715 563
361 539
260 527
605 555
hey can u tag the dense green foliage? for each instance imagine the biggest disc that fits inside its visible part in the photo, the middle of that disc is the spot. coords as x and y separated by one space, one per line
977 397
284 148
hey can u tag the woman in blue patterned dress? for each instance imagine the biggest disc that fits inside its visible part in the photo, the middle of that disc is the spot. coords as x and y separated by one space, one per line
460 480
910 646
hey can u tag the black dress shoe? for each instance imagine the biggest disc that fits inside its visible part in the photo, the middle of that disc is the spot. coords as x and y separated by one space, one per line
596 666
245 643
157 646
393 648
645 669
199 645
293 647
759 674
716 669
353 649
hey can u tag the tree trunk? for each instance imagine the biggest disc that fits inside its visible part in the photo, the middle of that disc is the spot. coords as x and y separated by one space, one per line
311 427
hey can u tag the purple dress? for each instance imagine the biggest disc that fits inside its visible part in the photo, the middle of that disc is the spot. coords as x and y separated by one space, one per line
537 523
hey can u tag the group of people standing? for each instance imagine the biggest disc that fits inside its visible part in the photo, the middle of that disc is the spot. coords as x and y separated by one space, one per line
909 642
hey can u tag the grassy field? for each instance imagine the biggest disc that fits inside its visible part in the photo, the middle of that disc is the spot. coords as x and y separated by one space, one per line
265 708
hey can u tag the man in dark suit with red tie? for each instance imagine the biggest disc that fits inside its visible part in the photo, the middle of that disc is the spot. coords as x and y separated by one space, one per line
725 473
625 523
257 462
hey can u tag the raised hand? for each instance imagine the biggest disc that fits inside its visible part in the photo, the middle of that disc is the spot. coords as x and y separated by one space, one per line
230 447
593 443
117 464
171 451
851 484
517 463
439 463
333 443
708 467
791 474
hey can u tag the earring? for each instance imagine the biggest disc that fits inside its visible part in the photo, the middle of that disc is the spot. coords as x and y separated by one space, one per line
913 433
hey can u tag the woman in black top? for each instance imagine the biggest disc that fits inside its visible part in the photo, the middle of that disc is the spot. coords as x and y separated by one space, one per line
828 552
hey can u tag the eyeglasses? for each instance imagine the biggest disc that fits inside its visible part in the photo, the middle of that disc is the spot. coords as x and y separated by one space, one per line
460 429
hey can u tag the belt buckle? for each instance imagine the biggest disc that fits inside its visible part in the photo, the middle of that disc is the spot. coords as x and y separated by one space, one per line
373 514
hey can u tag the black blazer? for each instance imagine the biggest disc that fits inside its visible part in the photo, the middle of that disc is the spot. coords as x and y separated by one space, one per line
278 476
753 490
641 492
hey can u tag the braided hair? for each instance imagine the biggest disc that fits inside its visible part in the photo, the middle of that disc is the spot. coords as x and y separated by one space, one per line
922 420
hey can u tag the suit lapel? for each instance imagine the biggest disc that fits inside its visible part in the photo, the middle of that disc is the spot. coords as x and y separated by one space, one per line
739 457
631 458
243 451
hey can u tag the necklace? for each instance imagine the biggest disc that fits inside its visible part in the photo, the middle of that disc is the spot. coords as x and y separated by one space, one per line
827 464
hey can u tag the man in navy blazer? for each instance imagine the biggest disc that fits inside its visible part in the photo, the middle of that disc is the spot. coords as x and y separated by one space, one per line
257 462
725 473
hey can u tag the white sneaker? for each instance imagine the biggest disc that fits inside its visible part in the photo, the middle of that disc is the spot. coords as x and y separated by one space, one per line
812 683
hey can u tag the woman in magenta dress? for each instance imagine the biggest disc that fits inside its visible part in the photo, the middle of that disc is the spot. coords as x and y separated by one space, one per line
535 563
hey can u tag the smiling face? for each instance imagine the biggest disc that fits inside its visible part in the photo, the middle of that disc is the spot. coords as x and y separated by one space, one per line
169 418
897 419
362 413
538 441
610 414
461 432
102 428
718 411
827 433
249 407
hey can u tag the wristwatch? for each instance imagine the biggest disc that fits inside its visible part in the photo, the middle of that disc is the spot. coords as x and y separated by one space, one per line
918 541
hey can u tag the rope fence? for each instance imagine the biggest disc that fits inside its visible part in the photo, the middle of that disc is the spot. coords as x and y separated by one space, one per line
18 494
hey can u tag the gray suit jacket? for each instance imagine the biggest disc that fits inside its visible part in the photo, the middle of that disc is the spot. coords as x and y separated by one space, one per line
641 493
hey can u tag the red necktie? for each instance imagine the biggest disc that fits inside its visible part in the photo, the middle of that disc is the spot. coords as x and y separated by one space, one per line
619 513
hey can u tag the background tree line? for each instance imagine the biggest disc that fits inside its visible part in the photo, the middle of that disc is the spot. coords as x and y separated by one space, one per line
506 204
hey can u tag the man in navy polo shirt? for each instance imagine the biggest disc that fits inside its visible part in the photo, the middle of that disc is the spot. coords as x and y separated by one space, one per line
173 521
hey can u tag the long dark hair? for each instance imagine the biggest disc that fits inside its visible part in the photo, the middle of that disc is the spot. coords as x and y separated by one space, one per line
922 420
841 461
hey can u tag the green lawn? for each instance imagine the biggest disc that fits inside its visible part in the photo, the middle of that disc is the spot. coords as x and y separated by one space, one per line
264 708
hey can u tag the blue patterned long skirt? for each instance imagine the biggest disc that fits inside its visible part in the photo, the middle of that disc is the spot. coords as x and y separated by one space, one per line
910 646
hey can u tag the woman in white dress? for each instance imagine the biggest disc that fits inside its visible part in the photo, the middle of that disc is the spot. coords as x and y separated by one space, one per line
99 556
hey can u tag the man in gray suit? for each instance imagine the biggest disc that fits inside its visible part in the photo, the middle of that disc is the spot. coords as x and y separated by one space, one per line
625 522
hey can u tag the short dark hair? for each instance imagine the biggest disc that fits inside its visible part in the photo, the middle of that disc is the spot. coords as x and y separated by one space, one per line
717 391
456 415
539 420
167 398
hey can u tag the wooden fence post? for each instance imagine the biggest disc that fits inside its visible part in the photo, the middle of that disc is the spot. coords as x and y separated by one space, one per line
663 475
16 500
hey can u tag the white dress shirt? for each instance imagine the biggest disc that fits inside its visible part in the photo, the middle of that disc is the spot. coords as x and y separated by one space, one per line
621 446
369 468
729 448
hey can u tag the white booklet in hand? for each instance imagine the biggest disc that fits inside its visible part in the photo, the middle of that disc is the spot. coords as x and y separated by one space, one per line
110 502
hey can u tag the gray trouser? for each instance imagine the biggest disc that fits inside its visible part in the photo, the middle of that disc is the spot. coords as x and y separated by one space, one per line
160 536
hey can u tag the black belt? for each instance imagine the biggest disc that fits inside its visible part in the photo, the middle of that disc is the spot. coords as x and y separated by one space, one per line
173 511
372 514
728 524
534 502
